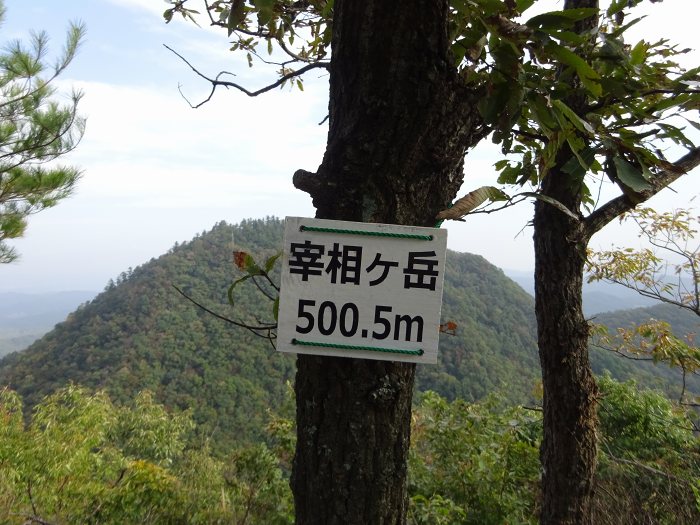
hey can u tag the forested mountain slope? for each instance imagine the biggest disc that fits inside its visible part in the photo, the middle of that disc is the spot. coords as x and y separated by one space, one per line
141 334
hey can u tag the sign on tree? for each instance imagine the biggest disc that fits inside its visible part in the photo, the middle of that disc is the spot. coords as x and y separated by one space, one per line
364 290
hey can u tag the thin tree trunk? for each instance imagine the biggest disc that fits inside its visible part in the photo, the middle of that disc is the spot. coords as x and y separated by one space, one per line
400 123
569 444
568 451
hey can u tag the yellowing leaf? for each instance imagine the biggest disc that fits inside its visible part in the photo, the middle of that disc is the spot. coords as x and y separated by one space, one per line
471 201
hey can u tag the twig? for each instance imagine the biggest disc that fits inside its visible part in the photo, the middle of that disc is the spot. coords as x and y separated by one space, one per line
262 290
253 329
647 468
31 498
215 82
619 205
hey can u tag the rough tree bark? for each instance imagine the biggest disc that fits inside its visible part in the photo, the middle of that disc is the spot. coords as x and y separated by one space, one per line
568 452
400 123
569 444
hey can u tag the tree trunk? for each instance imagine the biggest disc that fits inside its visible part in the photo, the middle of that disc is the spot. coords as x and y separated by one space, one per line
400 124
568 452
569 444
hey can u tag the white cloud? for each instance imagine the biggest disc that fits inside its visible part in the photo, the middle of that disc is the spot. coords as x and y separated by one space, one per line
157 171
155 127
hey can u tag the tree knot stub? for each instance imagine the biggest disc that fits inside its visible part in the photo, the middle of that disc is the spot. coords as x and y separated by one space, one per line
307 181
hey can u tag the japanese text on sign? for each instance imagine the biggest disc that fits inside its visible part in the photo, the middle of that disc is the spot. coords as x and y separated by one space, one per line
361 290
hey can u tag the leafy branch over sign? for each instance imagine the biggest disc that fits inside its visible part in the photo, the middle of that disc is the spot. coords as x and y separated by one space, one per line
260 277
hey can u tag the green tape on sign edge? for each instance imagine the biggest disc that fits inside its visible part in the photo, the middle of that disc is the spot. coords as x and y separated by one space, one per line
418 352
369 233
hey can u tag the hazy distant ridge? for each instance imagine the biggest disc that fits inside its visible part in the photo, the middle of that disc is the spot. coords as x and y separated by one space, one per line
140 333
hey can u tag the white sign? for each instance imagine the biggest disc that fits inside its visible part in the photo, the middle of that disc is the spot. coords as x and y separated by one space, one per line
365 290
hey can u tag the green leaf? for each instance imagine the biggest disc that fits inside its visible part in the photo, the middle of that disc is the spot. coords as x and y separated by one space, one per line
542 112
509 174
524 5
570 37
691 74
490 7
615 87
572 117
270 263
577 145
616 6
669 102
492 105
244 261
458 51
235 16
499 165
265 10
328 9
614 49
620 30
472 45
235 283
696 125
528 173
676 135
560 19
578 165
276 308
589 77
639 53
630 176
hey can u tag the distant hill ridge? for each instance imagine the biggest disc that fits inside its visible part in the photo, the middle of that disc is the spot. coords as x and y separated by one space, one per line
25 317
141 334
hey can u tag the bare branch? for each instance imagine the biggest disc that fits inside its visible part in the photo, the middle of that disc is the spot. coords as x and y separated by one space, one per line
656 294
262 290
253 329
626 355
653 470
215 82
609 102
531 135
31 497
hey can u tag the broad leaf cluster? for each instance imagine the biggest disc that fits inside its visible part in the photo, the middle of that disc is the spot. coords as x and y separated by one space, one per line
84 459
567 89
667 269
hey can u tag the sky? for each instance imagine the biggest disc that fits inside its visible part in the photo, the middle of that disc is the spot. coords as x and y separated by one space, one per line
156 172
